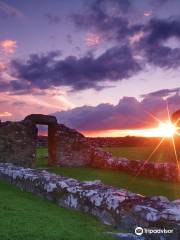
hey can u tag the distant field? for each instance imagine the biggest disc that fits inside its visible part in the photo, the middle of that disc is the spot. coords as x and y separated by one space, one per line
165 153
141 185
27 217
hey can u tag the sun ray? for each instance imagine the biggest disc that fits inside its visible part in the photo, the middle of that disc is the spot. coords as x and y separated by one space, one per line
155 149
170 130
175 151
147 160
157 119
173 141
177 128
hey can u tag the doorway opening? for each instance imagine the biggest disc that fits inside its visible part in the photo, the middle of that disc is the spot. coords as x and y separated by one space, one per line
42 150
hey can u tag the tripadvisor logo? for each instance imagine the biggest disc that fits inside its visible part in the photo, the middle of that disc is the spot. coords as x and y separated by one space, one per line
138 231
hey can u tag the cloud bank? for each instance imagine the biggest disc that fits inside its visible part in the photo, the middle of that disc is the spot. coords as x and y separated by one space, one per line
129 113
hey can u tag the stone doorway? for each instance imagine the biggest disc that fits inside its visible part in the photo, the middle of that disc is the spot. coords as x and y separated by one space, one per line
66 147
51 125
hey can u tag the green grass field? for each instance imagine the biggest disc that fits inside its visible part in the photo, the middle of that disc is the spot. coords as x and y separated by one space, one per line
141 185
27 217
165 153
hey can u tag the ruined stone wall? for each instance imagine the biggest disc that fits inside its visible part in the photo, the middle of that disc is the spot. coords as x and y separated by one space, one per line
17 143
112 206
66 147
72 148
161 171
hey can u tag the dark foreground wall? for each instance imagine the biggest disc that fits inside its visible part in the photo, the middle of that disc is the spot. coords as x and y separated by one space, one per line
73 149
66 147
112 206
17 143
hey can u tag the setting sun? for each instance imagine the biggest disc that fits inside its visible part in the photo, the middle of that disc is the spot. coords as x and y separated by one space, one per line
166 129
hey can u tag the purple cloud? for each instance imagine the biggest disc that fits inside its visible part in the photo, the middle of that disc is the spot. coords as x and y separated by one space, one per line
162 93
78 73
103 17
159 30
107 18
7 10
129 113
115 64
52 18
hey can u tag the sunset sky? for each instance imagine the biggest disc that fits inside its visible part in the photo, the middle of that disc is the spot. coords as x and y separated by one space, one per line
104 67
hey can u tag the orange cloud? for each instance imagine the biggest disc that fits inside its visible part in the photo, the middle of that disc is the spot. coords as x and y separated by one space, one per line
92 40
148 13
8 46
45 102
5 114
136 37
2 66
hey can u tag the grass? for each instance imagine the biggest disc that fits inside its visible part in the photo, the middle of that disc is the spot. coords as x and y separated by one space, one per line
41 155
165 153
27 217
141 185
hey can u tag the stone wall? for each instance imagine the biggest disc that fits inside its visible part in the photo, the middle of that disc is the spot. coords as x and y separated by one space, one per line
161 171
112 206
66 147
72 148
17 143
51 122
